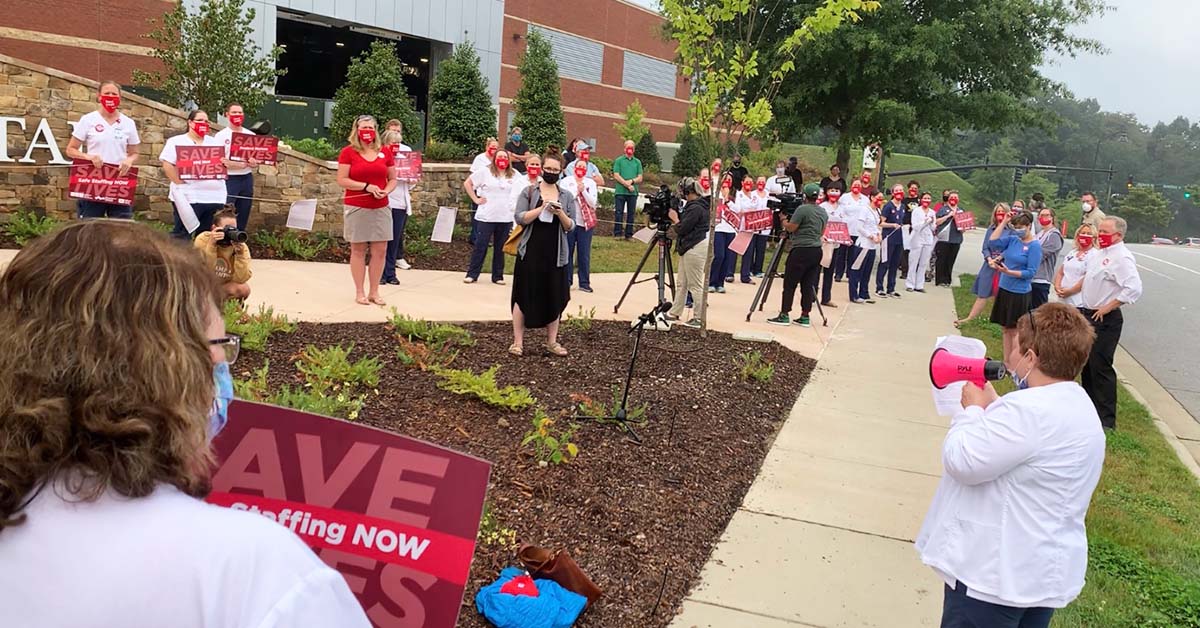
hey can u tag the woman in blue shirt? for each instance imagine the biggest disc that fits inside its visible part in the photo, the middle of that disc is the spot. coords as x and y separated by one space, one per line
1022 254
985 280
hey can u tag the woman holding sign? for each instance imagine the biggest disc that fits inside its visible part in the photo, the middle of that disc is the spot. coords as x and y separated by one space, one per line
105 439
110 137
579 240
400 202
197 176
239 186
491 190
728 221
366 172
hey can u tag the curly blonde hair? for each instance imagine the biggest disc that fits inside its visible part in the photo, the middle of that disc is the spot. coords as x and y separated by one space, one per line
105 371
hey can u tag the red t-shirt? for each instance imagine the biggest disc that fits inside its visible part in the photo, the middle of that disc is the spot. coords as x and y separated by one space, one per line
375 172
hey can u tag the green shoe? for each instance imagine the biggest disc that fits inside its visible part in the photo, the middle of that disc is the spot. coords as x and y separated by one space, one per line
782 319
804 322
694 323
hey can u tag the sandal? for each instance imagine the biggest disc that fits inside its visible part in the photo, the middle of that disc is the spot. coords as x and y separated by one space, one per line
516 350
556 349
361 300
377 300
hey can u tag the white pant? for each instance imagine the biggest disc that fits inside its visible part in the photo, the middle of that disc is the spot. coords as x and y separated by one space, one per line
918 263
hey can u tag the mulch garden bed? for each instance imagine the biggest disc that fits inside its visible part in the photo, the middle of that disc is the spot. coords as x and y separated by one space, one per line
641 520
433 256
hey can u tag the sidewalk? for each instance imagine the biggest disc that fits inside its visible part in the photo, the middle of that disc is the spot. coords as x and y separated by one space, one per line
824 537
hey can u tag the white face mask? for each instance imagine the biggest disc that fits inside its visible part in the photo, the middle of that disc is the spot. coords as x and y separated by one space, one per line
1087 207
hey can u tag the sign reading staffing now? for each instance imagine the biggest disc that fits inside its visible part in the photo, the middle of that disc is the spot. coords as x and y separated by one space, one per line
396 516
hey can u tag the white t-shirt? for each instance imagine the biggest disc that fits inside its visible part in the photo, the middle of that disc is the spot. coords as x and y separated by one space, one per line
481 162
589 189
399 198
163 560
498 192
1074 268
110 141
203 191
225 136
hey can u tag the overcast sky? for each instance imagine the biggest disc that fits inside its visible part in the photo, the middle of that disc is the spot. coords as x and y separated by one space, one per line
1150 69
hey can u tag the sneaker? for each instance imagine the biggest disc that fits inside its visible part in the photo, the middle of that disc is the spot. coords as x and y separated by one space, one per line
870 301
919 290
881 294
403 265
804 321
498 282
712 289
908 289
894 295
721 290
749 281
693 324
585 289
758 275
729 279
391 281
469 280
856 300
782 319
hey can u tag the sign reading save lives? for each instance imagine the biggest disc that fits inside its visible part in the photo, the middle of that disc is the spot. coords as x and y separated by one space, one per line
264 148
396 516
103 184
200 162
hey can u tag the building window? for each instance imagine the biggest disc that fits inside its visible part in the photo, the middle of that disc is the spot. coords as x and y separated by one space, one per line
647 74
577 58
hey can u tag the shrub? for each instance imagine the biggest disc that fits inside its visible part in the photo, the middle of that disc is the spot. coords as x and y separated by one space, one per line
297 244
753 366
647 151
375 86
581 321
484 388
320 147
426 331
451 152
25 225
423 356
607 198
332 366
550 444
315 396
693 154
460 108
632 128
538 105
605 166
255 329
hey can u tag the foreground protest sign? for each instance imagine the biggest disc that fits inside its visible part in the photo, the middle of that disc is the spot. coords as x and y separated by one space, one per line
262 148
103 184
396 516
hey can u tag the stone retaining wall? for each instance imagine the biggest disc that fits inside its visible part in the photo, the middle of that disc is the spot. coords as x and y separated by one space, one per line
31 93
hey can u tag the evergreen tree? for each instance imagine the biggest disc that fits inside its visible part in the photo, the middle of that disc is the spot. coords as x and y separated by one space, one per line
375 86
460 109
647 151
538 103
693 154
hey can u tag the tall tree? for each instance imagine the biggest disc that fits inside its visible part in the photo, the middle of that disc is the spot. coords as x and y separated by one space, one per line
1145 209
632 128
996 183
374 86
538 105
460 109
931 65
693 153
209 59
646 150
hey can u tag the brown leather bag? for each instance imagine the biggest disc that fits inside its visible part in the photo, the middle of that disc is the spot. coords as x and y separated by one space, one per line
559 567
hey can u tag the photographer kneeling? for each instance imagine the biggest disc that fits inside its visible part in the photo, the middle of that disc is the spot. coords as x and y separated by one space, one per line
805 224
1006 528
691 231
225 250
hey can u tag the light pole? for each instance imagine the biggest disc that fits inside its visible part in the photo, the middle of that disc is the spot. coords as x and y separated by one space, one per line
1120 136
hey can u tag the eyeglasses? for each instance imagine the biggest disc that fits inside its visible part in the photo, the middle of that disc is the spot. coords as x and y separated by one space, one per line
231 344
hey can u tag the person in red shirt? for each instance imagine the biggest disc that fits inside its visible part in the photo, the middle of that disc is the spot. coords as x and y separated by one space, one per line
366 172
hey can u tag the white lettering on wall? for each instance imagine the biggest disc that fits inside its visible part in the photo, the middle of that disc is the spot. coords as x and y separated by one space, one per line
47 141
4 121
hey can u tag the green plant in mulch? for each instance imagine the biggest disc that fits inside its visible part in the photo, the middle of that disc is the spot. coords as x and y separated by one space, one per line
752 366
551 444
255 329
425 356
304 246
581 321
492 532
600 411
333 366
429 332
483 387
316 395
26 224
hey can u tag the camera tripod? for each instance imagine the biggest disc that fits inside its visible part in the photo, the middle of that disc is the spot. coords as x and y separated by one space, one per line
666 274
621 416
764 288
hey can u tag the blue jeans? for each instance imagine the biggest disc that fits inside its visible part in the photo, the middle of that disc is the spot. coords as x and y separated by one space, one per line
752 261
895 248
860 280
204 213
474 225
395 247
494 233
1041 295
839 258
626 207
242 187
960 611
723 259
93 209
581 238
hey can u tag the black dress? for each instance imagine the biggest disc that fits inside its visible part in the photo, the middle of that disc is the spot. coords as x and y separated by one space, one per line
540 286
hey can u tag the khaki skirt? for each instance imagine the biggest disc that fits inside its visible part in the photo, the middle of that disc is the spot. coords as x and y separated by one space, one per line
360 224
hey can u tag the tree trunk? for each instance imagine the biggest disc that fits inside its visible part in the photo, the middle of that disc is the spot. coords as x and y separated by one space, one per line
702 302
843 155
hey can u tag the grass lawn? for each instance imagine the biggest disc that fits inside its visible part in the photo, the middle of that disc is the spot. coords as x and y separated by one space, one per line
819 157
1143 525
613 255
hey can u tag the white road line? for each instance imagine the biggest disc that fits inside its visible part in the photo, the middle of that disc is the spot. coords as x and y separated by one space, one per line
1194 272
1155 272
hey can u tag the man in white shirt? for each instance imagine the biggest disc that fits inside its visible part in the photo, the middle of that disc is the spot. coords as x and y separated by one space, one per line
239 185
1112 280
1006 527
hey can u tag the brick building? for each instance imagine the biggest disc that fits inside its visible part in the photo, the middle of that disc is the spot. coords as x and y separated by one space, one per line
609 52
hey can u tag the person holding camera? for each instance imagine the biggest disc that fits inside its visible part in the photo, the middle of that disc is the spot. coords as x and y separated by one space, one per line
224 249
691 232
804 227
1006 531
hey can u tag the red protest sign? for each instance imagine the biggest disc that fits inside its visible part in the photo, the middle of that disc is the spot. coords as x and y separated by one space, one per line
758 220
408 165
741 242
397 516
103 184
965 221
728 215
263 148
838 232
196 163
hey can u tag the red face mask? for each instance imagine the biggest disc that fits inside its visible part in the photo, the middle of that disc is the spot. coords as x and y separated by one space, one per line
200 128
716 168
367 136
236 119
584 155
866 179
110 103
705 184
491 151
580 171
953 201
925 202
834 196
998 217
726 184
1084 241
1105 240
629 151
856 189
747 186
502 164
897 195
913 193
1044 221
761 185
533 171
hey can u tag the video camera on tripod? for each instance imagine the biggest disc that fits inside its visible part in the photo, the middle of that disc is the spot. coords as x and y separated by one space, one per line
785 204
659 205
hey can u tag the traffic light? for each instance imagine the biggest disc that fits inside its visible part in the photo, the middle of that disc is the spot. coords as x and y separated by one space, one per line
1129 183
1187 194
1017 174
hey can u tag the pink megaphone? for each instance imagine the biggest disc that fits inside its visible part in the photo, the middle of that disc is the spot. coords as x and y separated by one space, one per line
945 368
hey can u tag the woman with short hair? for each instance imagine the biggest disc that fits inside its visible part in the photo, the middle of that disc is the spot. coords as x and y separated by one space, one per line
1051 240
1021 254
546 213
368 176
110 137
491 190
105 453
205 196
399 203
986 280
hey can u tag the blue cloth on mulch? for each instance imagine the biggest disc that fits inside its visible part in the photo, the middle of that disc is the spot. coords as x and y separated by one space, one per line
554 607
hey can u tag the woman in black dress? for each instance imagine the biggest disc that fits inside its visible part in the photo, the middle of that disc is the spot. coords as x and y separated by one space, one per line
541 287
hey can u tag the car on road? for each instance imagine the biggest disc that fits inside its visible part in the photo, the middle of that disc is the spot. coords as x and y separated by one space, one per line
1192 242
1162 241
